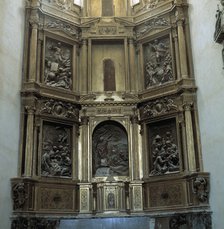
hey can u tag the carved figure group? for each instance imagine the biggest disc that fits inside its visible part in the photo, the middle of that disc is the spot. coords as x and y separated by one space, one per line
56 156
158 67
110 151
58 65
165 156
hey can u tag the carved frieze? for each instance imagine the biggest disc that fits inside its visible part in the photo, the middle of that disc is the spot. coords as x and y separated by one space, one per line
201 189
58 64
56 199
56 157
158 107
149 4
166 195
158 67
58 109
33 223
19 195
163 148
155 23
58 25
107 30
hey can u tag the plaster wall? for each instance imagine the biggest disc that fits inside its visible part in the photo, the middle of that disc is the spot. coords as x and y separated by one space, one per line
209 76
11 49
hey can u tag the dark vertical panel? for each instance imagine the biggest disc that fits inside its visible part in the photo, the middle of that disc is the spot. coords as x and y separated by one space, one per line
107 8
109 75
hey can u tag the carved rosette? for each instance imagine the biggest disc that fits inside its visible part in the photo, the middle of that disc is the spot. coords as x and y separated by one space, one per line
58 109
200 188
158 107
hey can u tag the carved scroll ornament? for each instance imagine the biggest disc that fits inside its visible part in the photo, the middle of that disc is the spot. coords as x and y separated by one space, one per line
158 107
59 109
150 4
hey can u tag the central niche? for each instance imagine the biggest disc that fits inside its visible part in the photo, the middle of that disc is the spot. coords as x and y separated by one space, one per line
110 150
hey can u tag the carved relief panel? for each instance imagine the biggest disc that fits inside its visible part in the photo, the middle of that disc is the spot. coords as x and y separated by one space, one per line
58 64
158 66
56 156
110 150
163 147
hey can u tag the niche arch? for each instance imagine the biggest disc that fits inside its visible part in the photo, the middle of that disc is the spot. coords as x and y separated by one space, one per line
110 156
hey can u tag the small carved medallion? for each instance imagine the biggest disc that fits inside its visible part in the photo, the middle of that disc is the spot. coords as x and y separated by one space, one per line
56 151
158 62
58 64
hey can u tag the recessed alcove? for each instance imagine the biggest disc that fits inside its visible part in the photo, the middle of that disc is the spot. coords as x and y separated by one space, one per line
102 52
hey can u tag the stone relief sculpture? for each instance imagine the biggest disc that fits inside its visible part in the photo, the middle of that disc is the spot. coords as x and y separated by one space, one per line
200 189
20 196
149 4
110 150
58 70
155 22
157 62
56 151
164 149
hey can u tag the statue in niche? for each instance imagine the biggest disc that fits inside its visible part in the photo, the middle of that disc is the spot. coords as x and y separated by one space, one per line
58 70
109 75
110 150
111 200
56 152
158 63
165 156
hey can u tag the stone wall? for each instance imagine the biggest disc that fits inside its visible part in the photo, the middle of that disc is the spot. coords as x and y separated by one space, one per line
11 51
210 80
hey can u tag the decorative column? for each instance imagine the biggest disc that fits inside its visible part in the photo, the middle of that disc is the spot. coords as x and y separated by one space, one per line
29 141
85 148
135 152
74 69
84 66
127 80
182 44
132 65
34 21
189 137
177 54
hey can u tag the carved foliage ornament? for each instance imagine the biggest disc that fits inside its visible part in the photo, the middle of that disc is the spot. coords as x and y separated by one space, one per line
19 196
149 4
201 189
177 221
58 64
158 107
59 109
158 62
59 25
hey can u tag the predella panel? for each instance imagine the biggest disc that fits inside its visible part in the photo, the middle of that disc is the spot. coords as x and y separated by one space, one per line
110 150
